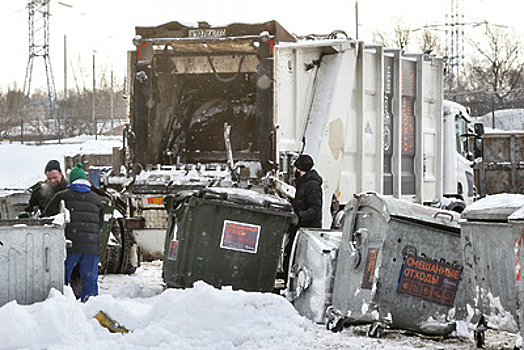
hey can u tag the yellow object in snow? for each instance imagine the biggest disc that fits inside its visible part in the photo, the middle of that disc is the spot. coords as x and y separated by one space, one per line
109 323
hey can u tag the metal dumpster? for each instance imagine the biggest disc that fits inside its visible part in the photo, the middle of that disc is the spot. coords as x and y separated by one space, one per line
312 272
225 237
490 260
516 223
399 266
32 254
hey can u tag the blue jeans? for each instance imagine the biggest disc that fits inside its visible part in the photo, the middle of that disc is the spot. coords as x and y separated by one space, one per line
88 264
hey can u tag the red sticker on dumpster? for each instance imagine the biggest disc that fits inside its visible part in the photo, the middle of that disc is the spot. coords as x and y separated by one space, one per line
430 280
240 236
173 250
369 270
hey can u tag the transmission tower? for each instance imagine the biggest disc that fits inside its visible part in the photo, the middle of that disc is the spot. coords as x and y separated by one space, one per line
39 51
455 46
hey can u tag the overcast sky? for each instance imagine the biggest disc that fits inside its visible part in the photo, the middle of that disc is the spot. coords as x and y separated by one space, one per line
105 28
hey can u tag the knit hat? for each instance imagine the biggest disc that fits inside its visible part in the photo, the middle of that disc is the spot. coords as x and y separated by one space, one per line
304 163
77 173
52 165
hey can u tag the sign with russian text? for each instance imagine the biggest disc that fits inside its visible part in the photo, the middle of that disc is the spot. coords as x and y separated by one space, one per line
430 280
240 236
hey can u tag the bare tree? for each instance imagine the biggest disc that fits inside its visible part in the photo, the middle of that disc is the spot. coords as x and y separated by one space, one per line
430 42
10 107
497 69
398 37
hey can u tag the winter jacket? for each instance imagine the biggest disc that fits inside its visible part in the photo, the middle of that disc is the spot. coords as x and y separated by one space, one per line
41 194
87 215
308 199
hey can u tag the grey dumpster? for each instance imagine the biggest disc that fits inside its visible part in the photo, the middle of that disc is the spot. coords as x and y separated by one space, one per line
516 223
32 254
312 273
489 276
399 266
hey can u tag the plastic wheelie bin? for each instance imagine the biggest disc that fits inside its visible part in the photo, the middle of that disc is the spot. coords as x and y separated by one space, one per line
399 266
225 237
491 265
32 254
312 272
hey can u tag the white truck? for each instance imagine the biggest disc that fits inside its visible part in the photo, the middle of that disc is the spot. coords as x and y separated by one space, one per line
463 140
233 105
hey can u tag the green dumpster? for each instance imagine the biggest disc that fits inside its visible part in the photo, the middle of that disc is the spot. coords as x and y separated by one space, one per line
225 237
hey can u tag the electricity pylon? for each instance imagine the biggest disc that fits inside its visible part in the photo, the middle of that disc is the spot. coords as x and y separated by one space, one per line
39 51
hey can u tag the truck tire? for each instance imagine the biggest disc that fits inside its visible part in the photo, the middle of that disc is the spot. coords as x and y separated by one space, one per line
121 252
113 251
130 258
112 263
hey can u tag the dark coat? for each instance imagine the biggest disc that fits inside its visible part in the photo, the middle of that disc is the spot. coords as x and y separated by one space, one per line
87 215
41 194
308 200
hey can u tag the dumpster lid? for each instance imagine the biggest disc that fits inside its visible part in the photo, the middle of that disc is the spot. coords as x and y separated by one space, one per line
393 207
26 222
245 196
518 215
496 207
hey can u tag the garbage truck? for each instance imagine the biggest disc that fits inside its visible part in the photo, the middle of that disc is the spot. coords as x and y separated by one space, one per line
234 105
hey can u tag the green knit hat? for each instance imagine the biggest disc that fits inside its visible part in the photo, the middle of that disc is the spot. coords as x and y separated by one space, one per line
77 173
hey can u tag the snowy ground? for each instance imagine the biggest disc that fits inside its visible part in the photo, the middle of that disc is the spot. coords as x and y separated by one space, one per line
198 318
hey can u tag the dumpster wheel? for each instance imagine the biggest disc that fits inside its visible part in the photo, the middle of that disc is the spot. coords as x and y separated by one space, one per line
480 338
336 326
479 332
334 323
375 330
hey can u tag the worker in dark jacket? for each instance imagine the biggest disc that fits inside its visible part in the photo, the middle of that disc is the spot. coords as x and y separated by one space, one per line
43 191
307 202
86 215
308 197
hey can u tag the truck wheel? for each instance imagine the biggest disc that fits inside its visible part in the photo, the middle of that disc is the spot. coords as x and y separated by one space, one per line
130 258
112 263
113 251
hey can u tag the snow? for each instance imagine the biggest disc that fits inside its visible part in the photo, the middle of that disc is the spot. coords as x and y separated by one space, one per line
505 120
497 201
27 161
202 317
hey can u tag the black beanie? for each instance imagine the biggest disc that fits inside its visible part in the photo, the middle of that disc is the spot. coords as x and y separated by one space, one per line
304 163
52 165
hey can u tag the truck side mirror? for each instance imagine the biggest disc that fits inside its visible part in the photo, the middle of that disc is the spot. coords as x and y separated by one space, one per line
479 129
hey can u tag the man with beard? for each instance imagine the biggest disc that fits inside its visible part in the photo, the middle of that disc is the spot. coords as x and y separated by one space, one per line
83 230
42 192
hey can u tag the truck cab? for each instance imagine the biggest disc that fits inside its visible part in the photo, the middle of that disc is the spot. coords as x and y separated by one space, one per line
461 137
